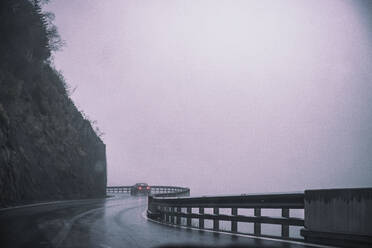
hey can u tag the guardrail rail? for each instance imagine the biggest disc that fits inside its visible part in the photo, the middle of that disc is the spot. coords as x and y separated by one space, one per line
170 210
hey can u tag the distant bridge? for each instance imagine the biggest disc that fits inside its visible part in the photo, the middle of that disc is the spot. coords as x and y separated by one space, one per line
164 190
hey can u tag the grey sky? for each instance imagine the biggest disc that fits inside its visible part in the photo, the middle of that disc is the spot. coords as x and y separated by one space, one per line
225 96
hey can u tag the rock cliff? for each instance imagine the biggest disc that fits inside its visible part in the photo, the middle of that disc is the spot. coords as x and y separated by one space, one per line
48 151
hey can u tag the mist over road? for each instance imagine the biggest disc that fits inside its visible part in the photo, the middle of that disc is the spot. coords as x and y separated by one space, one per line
103 223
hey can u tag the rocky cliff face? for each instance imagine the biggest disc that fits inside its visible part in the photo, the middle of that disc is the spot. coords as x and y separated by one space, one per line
48 151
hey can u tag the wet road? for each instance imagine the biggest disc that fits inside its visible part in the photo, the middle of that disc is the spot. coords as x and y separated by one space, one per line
104 223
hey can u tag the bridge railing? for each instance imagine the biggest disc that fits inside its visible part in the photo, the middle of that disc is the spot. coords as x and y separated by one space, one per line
155 190
118 189
169 191
171 210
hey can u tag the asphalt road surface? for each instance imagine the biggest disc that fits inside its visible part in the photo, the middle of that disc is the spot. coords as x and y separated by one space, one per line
104 223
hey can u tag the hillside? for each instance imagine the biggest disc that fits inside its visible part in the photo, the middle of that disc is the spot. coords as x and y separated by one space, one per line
48 150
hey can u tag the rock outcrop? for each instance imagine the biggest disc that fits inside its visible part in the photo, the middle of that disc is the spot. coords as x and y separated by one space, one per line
48 150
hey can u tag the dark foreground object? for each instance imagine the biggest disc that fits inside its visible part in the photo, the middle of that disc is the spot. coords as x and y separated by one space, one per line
102 223
202 246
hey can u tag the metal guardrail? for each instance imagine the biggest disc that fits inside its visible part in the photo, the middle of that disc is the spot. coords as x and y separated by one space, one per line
155 190
171 210
321 207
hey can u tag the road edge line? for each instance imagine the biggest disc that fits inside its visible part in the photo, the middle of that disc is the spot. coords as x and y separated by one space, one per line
31 205
50 202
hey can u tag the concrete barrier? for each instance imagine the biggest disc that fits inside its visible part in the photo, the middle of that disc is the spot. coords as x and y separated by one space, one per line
340 217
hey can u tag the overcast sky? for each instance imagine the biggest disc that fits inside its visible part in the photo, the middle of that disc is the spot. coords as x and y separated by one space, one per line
225 96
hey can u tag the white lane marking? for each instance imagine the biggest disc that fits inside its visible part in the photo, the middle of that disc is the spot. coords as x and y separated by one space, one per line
104 246
238 234
58 239
61 236
31 205
51 202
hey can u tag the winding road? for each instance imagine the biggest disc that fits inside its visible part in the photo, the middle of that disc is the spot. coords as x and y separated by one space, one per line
103 223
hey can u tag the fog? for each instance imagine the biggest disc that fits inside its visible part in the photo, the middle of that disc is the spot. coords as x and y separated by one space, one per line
225 96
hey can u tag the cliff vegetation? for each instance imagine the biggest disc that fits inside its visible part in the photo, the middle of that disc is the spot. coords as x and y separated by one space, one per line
48 150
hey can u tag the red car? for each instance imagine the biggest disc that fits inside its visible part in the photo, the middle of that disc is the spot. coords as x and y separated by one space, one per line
140 189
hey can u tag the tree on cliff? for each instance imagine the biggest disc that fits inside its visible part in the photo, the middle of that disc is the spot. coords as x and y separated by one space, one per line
27 34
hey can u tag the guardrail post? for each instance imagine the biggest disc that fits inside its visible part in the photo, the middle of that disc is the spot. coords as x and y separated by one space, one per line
178 219
201 219
167 214
216 222
188 218
162 215
234 223
257 226
285 228
153 209
172 215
